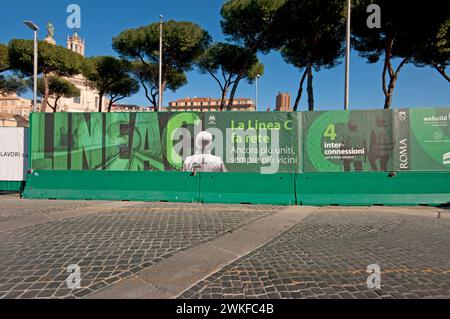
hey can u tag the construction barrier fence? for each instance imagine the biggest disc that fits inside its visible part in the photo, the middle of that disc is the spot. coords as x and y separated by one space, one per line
370 157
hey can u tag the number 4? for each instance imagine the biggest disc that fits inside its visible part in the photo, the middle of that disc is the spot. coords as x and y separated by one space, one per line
331 132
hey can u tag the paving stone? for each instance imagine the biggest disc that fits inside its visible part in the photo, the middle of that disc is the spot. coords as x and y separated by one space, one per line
108 246
326 256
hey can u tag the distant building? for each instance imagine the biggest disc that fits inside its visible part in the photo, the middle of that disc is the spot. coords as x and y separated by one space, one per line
209 104
127 108
89 99
12 120
75 43
283 102
15 105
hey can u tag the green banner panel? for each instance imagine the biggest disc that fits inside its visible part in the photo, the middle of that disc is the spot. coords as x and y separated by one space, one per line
95 141
422 139
251 142
345 141
266 143
373 157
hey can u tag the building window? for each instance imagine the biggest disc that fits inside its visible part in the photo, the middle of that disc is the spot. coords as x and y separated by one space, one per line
77 99
96 101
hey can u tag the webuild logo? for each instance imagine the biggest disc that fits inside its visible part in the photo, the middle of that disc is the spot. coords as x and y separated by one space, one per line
436 119
446 159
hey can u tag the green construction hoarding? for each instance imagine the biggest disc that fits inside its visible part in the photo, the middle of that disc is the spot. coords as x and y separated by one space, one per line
422 139
222 142
338 141
377 140
361 157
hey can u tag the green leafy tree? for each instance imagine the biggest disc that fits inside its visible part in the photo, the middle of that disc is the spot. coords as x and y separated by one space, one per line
406 29
4 58
53 61
12 84
148 76
183 43
435 51
314 31
107 75
224 63
250 24
126 87
58 88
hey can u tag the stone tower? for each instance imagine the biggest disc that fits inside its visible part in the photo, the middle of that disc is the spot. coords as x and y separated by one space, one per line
75 43
283 102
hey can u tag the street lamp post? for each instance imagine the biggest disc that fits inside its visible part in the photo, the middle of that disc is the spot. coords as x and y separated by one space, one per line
347 56
35 28
256 103
160 61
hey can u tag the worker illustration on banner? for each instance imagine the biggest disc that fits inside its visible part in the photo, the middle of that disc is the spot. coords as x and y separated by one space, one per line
203 160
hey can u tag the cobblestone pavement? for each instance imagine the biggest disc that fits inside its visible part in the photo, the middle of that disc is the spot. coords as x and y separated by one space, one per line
108 246
12 208
327 255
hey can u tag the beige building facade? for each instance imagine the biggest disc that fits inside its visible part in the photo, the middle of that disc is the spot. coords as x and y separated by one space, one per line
121 108
11 120
209 104
15 105
89 99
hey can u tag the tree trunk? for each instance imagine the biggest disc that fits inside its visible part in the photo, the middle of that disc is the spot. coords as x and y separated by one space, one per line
154 101
390 90
100 102
46 93
393 74
153 97
388 70
224 97
300 91
55 106
239 77
310 88
388 98
147 93
223 88
441 71
52 107
110 104
233 93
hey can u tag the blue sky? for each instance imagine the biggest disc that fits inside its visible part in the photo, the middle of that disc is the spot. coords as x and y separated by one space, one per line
102 20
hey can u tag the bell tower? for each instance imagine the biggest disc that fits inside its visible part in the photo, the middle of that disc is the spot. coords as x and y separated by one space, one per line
75 43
